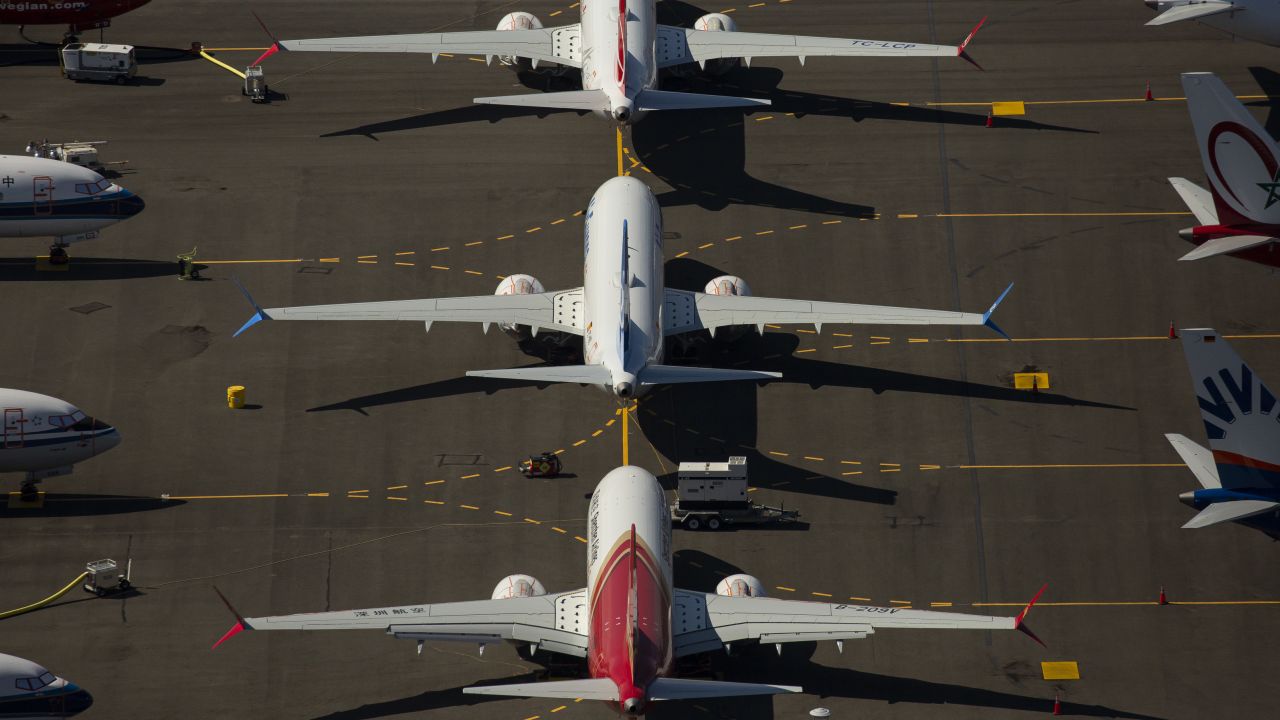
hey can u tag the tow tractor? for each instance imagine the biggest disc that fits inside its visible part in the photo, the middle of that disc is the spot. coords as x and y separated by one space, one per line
714 495
544 465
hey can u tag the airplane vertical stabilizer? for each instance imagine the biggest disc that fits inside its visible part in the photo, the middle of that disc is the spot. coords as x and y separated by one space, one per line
1241 415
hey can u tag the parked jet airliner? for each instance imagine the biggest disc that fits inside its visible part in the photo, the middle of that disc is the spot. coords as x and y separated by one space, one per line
623 311
1257 20
1240 214
40 197
28 691
1240 470
630 623
619 48
44 437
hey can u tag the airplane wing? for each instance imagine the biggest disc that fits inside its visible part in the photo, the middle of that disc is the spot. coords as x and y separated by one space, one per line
1198 200
1220 512
678 46
1228 244
1193 11
709 621
556 45
1199 459
540 311
688 311
548 621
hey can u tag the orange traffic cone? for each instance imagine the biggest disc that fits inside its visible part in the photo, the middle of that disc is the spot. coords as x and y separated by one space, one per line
991 120
1173 334
1057 705
1164 599
1149 96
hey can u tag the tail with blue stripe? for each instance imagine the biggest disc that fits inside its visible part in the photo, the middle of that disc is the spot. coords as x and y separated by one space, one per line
1241 415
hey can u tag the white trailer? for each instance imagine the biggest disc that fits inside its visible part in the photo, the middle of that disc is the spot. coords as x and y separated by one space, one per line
98 61
714 495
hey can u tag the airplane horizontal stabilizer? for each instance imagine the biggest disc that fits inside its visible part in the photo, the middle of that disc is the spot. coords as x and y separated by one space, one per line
1193 12
1221 512
1229 244
1198 200
588 374
671 375
585 100
593 689
666 100
1198 458
679 689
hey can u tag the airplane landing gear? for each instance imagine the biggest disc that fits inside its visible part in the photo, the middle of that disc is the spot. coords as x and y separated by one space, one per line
58 254
28 492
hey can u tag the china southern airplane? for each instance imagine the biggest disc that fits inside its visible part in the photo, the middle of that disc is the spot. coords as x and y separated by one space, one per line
30 691
44 437
623 311
630 623
1257 20
40 197
1239 215
619 48
1240 470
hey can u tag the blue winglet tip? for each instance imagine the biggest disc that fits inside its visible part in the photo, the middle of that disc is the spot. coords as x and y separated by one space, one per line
986 317
257 318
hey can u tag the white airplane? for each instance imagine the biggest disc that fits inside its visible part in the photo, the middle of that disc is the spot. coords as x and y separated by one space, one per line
1240 470
619 48
1257 20
623 311
630 623
40 197
44 437
30 691
1239 214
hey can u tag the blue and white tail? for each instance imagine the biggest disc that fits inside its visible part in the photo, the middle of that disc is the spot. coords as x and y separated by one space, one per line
1241 418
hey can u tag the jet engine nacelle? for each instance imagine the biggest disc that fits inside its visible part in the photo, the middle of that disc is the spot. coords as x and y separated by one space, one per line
518 285
740 585
525 21
717 22
518 586
728 285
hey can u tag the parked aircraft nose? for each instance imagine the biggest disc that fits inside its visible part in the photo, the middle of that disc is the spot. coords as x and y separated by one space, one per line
77 700
129 205
1153 4
107 440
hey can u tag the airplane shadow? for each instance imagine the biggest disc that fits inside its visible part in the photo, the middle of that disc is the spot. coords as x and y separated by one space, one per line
442 388
78 505
83 268
696 570
46 54
1269 81
452 116
430 700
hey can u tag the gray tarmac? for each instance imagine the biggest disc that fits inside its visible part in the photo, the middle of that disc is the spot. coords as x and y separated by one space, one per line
836 193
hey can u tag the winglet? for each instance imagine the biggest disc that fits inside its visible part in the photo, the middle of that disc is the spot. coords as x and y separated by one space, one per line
275 41
961 51
1019 623
240 626
259 314
986 316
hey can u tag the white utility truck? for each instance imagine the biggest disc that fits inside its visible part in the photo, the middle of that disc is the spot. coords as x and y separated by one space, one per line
714 495
97 61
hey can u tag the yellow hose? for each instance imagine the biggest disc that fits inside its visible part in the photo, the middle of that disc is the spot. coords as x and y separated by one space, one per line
219 63
36 605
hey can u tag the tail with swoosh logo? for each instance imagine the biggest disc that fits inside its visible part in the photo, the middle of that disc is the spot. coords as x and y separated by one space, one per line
1240 470
1241 209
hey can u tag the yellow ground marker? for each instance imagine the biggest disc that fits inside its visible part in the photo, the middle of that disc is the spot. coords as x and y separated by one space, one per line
621 172
1009 108
1063 670
1031 381
226 497
626 430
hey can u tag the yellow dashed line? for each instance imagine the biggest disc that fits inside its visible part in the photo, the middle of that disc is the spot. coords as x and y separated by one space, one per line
814 457
853 472
580 539
397 487
404 499
809 350
850 462
320 494
731 239
841 347
406 264
611 422
797 227
779 454
439 249
468 507
764 232
407 252
506 237
433 482
562 531
597 433
473 244
439 267
503 469
705 246
784 588
330 260
900 602
473 475
504 514
860 599
533 229
433 502
557 222
472 272
531 520
939 604
686 252
820 594
907 216
580 442
832 222
930 467
558 709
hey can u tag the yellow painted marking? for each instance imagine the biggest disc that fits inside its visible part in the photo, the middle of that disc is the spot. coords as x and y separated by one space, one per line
779 454
433 482
1060 670
797 227
860 599
726 11
930 467
1009 108
907 216
554 13
533 717
597 433
319 494
1067 466
389 497
580 442
917 340
250 262
448 55
472 272
731 239
814 457
820 594
686 252
406 252
473 475
705 246
352 492
366 257
228 497
534 229
900 602
506 237
468 507
784 588
880 342
503 469
558 709
221 64
626 432
939 604
764 232
756 5
558 452
809 350
562 531
531 520
762 119
853 472
841 347
433 502
236 49
504 514
476 59
439 267
843 334
406 264
850 462
557 222
580 539
611 422
397 487
1028 381
806 332
367 262
621 171
473 244
439 249
832 222
578 214
330 260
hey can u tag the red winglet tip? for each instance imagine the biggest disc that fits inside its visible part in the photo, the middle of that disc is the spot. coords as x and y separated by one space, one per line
1022 628
275 48
235 630
968 38
1022 615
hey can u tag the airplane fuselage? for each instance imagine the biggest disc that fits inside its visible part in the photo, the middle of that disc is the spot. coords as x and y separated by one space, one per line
40 197
77 14
42 434
623 282
1256 20
629 497
620 61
